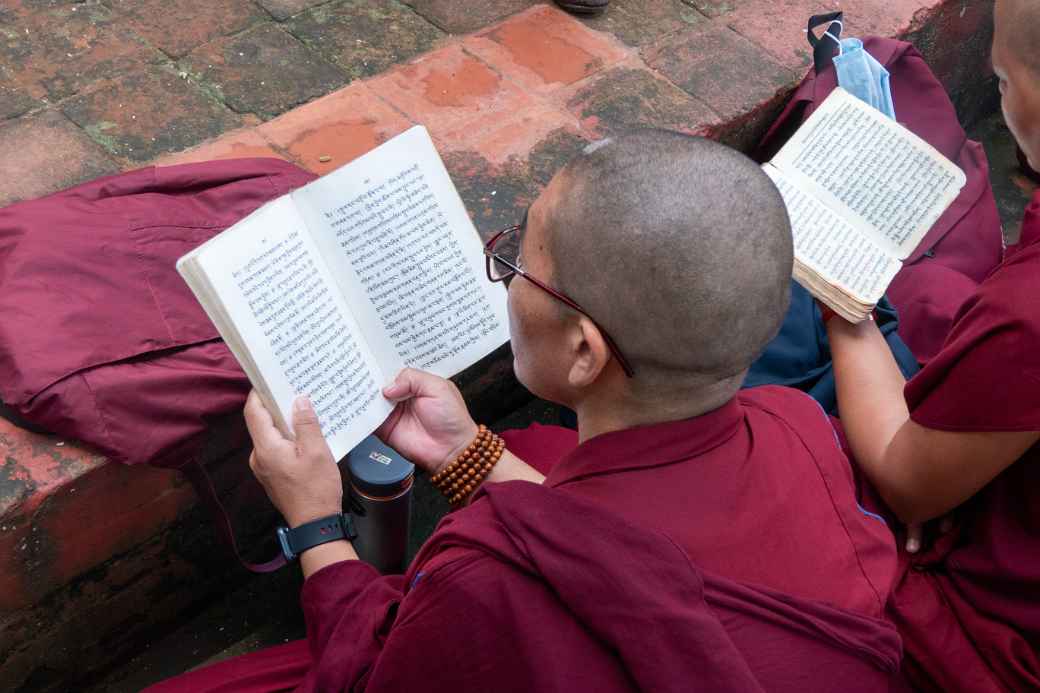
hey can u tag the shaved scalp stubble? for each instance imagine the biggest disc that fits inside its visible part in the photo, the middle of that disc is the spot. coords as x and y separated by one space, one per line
1022 24
680 247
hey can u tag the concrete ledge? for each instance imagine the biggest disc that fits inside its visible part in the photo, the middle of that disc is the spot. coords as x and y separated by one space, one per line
95 556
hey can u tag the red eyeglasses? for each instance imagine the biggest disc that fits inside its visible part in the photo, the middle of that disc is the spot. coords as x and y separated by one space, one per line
502 254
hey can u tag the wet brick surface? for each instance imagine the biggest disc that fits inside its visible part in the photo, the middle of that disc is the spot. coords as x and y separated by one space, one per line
625 97
639 22
178 27
44 151
365 37
147 114
264 71
462 16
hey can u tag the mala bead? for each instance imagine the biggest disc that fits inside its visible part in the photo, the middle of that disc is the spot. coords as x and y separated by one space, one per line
458 480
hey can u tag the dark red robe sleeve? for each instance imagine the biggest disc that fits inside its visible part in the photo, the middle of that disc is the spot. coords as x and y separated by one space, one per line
987 375
349 608
459 627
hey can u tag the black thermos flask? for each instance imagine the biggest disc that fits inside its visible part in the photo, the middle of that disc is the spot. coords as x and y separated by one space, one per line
379 484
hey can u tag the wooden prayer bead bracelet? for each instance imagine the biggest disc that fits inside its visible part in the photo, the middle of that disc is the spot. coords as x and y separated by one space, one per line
463 476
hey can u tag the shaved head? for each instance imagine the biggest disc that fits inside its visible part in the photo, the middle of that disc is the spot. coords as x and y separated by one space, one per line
679 247
1022 27
1016 62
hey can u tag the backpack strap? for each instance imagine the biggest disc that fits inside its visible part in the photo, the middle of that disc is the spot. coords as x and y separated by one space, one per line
203 484
824 46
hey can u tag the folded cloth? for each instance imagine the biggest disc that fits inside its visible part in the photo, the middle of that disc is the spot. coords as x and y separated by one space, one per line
101 340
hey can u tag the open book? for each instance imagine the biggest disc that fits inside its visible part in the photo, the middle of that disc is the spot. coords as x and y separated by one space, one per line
861 192
330 290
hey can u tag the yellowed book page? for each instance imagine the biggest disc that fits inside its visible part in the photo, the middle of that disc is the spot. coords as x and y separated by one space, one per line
408 259
840 302
290 316
860 163
833 247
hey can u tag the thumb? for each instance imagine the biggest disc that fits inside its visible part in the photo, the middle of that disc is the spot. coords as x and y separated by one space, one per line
408 383
306 426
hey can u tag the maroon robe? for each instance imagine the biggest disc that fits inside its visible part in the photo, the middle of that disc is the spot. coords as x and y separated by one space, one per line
609 576
970 609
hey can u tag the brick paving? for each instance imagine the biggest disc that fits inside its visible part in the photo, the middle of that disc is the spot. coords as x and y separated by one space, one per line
144 80
509 90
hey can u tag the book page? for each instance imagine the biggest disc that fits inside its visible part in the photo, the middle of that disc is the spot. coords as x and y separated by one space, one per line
289 315
395 234
854 158
833 247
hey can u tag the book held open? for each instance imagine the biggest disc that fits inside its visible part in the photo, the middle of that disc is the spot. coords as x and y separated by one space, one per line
861 192
330 290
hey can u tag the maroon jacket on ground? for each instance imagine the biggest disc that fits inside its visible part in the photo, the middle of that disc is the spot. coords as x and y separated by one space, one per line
100 339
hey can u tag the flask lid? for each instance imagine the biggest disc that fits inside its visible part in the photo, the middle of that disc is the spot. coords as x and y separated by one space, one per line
377 469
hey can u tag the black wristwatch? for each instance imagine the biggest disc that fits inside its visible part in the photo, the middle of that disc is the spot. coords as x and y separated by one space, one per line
310 534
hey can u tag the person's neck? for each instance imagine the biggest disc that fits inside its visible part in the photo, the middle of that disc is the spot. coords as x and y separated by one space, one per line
604 412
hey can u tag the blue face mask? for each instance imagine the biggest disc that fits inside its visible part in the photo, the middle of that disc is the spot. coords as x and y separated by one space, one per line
863 76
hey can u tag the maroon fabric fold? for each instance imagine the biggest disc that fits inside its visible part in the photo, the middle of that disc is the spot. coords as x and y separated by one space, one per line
558 594
531 588
101 339
970 608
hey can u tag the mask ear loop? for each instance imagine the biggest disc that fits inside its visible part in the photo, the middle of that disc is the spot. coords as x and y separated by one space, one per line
841 27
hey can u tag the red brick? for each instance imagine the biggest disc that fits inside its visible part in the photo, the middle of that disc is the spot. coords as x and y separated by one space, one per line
14 100
966 72
283 9
239 144
514 136
638 22
58 51
143 115
464 16
715 8
896 17
494 196
720 68
629 96
36 468
76 625
264 71
365 37
103 514
336 129
178 27
543 49
43 153
779 27
449 90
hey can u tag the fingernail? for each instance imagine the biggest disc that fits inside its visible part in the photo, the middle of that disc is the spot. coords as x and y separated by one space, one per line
302 403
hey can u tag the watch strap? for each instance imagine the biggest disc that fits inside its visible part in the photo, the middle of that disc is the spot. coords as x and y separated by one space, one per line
314 533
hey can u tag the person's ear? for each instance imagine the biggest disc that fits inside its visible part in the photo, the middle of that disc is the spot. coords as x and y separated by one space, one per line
590 353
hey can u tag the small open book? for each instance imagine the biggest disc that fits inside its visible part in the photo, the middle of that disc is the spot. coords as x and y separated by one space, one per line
330 290
861 191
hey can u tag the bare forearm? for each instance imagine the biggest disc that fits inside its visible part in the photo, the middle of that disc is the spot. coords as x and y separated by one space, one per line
314 559
512 468
870 396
